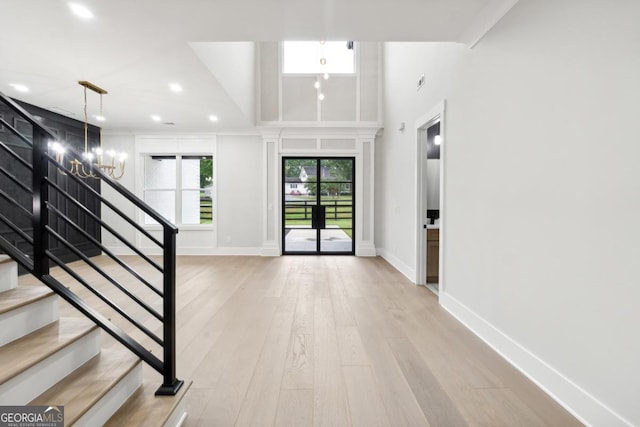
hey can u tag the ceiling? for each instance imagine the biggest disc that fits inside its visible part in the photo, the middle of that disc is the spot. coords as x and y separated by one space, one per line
135 49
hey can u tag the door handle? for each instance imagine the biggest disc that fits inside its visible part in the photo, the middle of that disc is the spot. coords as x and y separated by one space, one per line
322 217
314 217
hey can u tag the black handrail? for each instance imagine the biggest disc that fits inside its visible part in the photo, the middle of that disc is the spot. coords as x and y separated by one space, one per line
106 226
106 250
15 203
16 229
106 202
43 233
15 180
14 155
111 280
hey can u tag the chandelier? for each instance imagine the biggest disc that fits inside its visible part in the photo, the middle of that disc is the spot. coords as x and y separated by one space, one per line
323 70
110 162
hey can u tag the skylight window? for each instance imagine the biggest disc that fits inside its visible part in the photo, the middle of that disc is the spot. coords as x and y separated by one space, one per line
307 58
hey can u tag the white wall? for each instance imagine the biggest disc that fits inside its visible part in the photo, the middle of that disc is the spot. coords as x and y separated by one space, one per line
124 143
239 194
237 216
233 65
542 189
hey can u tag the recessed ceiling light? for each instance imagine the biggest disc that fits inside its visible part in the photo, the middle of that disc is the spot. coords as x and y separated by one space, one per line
213 118
80 10
19 87
100 118
156 118
175 87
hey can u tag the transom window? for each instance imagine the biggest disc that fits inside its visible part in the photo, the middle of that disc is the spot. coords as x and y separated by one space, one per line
306 57
180 188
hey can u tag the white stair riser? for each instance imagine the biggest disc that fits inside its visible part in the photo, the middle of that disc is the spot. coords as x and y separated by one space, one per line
8 275
112 400
26 319
178 416
25 387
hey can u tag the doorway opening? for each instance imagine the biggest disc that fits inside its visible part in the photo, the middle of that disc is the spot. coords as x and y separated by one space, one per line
318 205
429 242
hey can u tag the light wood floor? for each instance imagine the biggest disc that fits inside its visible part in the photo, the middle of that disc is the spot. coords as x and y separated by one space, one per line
336 341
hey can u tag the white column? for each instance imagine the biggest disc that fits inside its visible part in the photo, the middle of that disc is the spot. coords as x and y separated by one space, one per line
271 230
365 195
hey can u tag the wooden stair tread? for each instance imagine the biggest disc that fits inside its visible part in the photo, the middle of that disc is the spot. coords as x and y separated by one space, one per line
21 296
18 356
146 409
79 391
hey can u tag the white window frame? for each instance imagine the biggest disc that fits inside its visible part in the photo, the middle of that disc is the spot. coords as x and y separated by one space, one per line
319 71
187 146
179 188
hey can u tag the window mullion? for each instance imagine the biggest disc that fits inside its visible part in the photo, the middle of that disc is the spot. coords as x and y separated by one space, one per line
178 190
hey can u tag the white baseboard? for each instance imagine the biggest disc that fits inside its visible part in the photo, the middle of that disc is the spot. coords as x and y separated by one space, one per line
572 397
365 249
240 251
403 268
270 248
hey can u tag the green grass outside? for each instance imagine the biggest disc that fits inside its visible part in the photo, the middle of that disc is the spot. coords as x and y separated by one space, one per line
340 206
206 210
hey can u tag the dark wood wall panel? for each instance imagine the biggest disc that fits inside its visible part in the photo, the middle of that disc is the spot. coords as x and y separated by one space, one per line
71 132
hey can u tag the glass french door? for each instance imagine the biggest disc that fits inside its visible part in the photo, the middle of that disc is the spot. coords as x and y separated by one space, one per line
318 205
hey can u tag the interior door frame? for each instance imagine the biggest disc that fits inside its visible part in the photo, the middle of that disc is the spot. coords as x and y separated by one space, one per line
435 114
318 159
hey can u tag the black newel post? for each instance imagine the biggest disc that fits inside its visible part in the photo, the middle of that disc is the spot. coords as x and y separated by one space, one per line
170 384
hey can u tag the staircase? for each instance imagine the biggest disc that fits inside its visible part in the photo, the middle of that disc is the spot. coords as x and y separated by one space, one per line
49 360
53 360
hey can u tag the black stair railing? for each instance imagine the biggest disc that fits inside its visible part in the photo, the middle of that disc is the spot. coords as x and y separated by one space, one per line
33 245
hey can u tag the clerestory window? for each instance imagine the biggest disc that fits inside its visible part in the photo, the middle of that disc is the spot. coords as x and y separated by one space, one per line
313 57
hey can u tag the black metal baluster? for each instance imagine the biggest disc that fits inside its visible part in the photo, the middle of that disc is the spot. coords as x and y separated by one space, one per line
40 200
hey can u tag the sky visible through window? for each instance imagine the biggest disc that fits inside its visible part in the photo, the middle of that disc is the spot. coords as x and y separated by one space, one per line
304 58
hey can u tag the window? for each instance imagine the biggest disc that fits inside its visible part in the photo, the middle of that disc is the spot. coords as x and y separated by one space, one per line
305 57
294 185
180 188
